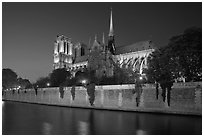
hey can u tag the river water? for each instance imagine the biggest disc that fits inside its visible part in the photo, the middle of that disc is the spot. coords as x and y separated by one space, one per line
32 119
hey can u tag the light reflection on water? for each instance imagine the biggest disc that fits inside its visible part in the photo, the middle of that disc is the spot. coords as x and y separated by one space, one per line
83 128
2 104
31 119
46 128
141 132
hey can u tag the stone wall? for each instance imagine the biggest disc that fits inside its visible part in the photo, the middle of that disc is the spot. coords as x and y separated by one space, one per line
186 98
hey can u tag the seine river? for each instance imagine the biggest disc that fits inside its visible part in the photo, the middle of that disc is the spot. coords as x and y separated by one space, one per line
32 119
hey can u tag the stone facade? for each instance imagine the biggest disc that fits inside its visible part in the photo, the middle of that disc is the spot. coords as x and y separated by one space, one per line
76 56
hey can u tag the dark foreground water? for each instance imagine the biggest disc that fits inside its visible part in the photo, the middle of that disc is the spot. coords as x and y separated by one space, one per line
32 119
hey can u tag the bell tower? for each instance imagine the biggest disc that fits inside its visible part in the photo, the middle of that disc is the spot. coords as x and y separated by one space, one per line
63 52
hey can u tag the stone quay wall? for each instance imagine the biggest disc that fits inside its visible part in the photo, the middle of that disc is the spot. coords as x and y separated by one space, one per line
185 98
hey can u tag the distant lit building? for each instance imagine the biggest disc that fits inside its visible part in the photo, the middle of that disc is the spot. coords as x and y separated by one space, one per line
75 56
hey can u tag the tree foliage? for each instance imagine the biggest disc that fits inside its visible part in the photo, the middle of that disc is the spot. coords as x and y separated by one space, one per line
186 51
58 76
24 83
42 82
9 78
95 60
182 57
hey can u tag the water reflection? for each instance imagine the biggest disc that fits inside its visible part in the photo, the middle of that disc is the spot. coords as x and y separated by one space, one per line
2 104
141 132
46 128
83 128
31 119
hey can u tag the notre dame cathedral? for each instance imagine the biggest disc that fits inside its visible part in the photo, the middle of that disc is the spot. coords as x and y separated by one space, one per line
74 57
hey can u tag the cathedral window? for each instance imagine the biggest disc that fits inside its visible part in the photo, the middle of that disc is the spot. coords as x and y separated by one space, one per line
82 51
64 47
58 47
68 48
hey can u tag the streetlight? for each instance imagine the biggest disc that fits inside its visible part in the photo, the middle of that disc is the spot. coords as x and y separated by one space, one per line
141 78
19 87
48 84
83 81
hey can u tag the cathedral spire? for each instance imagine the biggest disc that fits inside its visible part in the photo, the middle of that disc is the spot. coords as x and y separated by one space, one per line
111 25
95 37
111 40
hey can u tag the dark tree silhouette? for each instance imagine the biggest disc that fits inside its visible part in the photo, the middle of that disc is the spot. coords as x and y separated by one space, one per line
24 83
9 78
42 82
186 51
160 71
73 92
58 76
61 91
36 89
91 93
182 57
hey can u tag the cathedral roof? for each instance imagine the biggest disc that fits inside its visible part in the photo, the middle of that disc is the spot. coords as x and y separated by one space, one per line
96 45
142 45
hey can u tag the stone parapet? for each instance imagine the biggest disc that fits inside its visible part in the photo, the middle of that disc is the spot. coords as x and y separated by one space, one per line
184 99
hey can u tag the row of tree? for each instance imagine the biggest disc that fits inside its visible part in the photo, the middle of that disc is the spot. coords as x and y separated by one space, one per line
11 80
54 79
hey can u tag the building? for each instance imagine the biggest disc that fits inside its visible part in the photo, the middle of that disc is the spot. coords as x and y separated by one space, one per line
74 57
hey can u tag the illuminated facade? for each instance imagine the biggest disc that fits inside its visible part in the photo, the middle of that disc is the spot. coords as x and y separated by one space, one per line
75 56
63 52
68 55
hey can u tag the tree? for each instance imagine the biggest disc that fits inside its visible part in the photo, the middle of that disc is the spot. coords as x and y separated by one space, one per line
9 78
97 65
160 70
58 76
42 82
24 83
186 51
182 57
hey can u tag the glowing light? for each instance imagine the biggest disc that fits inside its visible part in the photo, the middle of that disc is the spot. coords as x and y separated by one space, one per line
48 84
141 132
47 128
83 81
2 103
141 78
18 87
70 49
83 128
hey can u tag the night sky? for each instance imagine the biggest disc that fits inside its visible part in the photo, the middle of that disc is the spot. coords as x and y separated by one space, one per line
29 29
